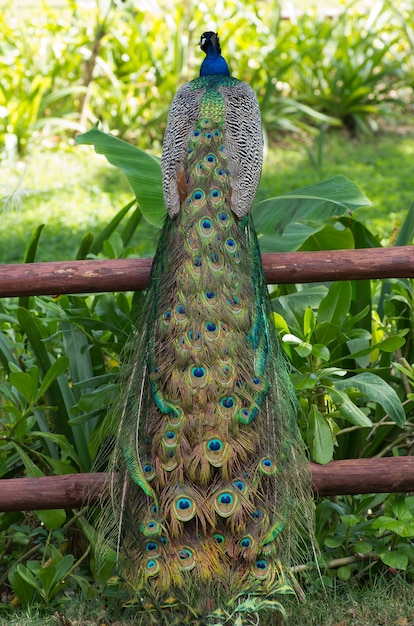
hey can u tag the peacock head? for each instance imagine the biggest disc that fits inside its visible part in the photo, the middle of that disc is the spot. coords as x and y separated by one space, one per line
214 63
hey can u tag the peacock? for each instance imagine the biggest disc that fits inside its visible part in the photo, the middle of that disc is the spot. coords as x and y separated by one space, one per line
210 491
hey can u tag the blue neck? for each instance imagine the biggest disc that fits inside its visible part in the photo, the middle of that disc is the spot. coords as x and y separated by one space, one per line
214 64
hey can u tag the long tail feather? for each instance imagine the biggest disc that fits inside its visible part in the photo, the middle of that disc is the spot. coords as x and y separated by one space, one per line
211 501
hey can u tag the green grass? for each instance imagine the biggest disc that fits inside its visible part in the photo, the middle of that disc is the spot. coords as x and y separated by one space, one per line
73 191
386 602
380 164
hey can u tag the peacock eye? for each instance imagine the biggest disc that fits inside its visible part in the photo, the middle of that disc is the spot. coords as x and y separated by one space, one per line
185 554
225 498
227 402
184 503
198 372
215 445
246 542
206 224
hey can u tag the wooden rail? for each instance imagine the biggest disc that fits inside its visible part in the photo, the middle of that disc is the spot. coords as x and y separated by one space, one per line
68 277
132 274
70 491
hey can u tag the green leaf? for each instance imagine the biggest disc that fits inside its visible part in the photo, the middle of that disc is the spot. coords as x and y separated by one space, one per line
304 349
388 345
395 559
308 323
6 354
106 565
52 518
292 305
23 589
330 237
29 257
363 547
109 229
391 344
293 238
141 169
326 332
317 202
347 408
335 306
376 390
59 393
27 576
31 248
321 352
57 368
350 520
52 576
85 246
31 469
46 577
320 439
344 572
333 542
25 384
61 441
304 381
406 232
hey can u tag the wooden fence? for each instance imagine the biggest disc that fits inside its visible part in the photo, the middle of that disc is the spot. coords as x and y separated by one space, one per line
68 277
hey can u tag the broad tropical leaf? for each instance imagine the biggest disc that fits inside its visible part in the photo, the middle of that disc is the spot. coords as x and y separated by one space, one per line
328 198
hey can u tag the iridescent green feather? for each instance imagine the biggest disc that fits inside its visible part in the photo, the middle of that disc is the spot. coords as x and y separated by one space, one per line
211 501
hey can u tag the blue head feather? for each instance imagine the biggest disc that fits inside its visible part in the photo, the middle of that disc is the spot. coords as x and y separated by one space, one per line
214 63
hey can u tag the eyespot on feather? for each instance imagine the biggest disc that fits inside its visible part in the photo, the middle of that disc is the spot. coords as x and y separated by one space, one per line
198 377
219 538
152 567
175 417
205 226
183 508
151 529
152 549
246 542
226 502
261 569
149 471
215 451
180 313
187 559
198 198
210 297
267 466
230 246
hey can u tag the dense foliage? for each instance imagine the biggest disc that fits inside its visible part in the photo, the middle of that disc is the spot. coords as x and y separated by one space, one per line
350 343
121 62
